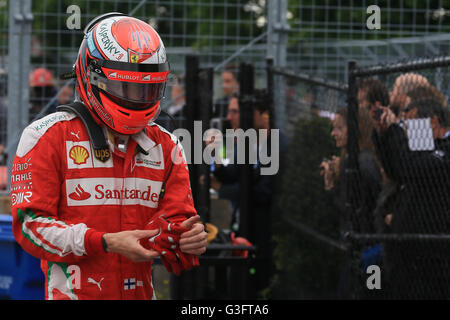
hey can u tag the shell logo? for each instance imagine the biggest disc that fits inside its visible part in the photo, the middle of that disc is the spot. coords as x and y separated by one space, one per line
78 154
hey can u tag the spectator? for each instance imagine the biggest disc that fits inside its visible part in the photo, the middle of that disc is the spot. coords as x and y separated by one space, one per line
422 206
390 187
426 92
230 86
372 95
369 182
226 180
178 98
65 95
264 184
295 107
402 85
233 115
42 90
175 114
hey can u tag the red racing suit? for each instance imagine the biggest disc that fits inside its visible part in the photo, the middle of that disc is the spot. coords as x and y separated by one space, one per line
65 196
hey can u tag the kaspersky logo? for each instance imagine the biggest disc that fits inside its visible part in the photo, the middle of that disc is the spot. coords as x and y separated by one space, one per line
113 191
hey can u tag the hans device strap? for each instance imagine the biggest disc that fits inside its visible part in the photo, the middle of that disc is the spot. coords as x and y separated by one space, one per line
98 140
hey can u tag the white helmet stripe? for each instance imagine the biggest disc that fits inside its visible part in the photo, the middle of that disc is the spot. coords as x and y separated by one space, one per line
107 42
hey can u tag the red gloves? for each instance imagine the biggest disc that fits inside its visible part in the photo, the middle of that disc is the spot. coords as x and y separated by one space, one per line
167 243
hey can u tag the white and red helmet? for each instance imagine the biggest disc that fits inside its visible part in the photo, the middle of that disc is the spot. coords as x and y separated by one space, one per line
121 71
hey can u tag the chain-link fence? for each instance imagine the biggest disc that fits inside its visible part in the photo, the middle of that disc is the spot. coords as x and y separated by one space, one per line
324 35
398 176
315 37
310 43
365 184
309 250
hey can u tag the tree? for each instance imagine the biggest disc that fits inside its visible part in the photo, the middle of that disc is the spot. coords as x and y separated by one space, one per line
306 268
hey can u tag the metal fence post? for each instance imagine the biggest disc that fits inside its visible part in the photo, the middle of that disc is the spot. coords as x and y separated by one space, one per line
192 66
242 285
246 122
277 49
19 43
205 97
351 171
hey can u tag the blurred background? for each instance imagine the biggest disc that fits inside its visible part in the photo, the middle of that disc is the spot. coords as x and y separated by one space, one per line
300 64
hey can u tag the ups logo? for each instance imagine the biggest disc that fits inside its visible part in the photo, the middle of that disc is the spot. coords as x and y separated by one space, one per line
102 155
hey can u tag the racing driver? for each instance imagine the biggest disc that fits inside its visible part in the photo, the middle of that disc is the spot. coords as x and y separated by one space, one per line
98 191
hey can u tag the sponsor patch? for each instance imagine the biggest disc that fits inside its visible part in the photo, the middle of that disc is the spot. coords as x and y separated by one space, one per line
112 191
154 159
20 166
79 194
100 110
79 156
21 197
137 57
37 129
107 42
21 177
48 121
22 185
102 155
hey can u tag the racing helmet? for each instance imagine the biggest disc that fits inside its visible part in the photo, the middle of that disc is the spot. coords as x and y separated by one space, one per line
121 72
41 77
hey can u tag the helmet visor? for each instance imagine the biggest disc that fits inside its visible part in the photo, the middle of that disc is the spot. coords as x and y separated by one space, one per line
136 86
132 95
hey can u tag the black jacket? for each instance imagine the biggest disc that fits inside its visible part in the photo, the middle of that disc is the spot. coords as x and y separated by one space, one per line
263 185
369 186
423 201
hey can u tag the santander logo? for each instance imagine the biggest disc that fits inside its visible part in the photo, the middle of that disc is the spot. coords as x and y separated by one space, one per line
102 192
113 191
79 194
